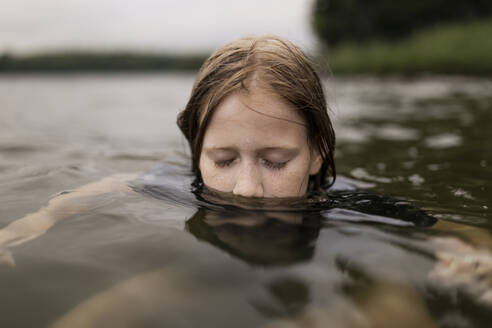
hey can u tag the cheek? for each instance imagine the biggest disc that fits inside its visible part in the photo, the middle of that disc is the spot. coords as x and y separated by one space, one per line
214 177
291 182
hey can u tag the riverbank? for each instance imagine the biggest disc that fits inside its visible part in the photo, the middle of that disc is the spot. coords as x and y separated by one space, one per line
452 49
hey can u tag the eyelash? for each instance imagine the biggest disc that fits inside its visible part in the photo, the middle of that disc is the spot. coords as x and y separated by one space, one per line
223 164
274 165
269 164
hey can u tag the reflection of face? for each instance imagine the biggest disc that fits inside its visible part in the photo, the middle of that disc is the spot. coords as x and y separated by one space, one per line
265 238
256 146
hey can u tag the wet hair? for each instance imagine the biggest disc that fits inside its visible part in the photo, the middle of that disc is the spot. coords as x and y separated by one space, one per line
273 63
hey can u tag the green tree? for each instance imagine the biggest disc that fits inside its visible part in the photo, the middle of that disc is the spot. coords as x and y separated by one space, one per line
358 20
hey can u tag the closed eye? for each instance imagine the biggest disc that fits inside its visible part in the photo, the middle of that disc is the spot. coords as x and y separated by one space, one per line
273 165
267 163
223 164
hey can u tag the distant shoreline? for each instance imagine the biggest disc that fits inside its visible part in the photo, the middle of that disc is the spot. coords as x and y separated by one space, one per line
453 49
99 62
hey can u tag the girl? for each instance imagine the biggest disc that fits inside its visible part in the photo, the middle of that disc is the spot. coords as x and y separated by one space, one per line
257 122
258 128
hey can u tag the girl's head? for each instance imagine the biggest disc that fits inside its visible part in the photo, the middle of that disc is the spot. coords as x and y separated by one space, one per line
257 121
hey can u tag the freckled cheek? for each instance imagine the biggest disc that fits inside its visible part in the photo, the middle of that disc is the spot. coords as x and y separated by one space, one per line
216 178
286 184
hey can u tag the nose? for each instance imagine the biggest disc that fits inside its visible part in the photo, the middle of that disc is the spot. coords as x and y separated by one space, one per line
248 181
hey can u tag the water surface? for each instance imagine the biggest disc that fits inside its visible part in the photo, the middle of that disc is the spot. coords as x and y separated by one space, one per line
165 259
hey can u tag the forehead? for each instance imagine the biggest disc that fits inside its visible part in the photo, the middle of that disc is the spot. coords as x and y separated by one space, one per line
258 116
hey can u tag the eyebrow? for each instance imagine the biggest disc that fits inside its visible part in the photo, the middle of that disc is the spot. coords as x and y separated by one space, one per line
260 150
289 150
215 149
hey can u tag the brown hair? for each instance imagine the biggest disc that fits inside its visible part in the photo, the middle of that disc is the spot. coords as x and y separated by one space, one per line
276 63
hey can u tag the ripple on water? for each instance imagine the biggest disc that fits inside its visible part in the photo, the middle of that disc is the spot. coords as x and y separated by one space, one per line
19 148
442 141
360 173
137 157
459 192
396 132
416 179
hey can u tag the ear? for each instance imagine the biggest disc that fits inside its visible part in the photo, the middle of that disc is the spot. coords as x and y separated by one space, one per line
316 162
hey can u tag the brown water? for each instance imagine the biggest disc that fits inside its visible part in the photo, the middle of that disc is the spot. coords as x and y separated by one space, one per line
162 260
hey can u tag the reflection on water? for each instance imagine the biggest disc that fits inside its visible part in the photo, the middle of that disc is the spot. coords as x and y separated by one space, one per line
365 255
267 239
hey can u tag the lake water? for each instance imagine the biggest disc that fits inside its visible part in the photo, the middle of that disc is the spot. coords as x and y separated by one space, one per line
133 259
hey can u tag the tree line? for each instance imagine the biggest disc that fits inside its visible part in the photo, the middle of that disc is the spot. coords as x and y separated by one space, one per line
335 21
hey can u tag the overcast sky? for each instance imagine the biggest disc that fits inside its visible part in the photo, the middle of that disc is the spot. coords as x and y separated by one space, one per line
148 25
